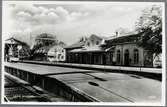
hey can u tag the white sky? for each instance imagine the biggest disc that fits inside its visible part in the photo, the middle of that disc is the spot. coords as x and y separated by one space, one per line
68 21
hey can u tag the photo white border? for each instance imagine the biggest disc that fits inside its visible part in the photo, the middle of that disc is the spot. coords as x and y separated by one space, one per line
89 103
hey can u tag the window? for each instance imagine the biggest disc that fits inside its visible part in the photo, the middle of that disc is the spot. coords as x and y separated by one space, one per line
97 42
50 56
62 57
88 44
136 56
118 56
59 56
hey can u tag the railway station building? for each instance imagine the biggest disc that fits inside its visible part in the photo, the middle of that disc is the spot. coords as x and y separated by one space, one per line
119 50
124 51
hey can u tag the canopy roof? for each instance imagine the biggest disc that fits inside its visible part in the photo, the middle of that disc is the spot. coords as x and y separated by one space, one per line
76 45
43 50
92 49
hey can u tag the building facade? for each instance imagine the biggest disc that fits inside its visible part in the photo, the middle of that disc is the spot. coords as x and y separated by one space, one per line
117 51
56 54
86 52
52 53
124 51
16 49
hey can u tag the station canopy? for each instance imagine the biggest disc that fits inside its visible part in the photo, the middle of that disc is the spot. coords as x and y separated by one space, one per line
93 49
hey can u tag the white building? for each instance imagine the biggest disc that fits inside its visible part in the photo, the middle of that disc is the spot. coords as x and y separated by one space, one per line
56 53
157 60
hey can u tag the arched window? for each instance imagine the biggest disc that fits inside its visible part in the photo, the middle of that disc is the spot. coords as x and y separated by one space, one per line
136 56
118 56
88 44
97 42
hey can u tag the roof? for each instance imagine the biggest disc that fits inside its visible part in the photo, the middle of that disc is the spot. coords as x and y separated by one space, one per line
122 39
93 49
43 49
76 45
46 36
80 44
95 36
14 41
86 50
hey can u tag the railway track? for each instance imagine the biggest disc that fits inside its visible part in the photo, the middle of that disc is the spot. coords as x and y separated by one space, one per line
17 90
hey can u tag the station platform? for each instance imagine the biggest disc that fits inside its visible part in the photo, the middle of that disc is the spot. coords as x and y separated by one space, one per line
94 85
99 67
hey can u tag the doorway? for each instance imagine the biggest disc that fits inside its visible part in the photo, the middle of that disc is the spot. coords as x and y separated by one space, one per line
126 58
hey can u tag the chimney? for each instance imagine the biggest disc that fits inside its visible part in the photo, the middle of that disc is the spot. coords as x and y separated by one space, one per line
116 33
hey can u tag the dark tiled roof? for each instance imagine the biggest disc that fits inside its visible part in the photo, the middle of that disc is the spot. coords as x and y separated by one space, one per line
46 35
43 49
93 35
80 44
123 39
76 45
18 41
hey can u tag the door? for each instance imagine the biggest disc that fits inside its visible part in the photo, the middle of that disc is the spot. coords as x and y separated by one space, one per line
104 59
126 58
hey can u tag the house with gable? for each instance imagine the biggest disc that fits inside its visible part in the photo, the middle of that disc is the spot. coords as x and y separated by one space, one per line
86 52
15 48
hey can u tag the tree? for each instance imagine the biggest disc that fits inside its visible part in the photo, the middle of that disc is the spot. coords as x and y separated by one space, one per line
61 43
149 25
44 39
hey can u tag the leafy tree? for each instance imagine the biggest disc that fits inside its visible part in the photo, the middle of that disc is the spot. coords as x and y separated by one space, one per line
150 26
44 39
61 43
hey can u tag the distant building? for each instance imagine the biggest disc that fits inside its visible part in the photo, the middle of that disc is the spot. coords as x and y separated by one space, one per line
69 56
57 54
50 53
48 48
41 53
86 52
16 49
